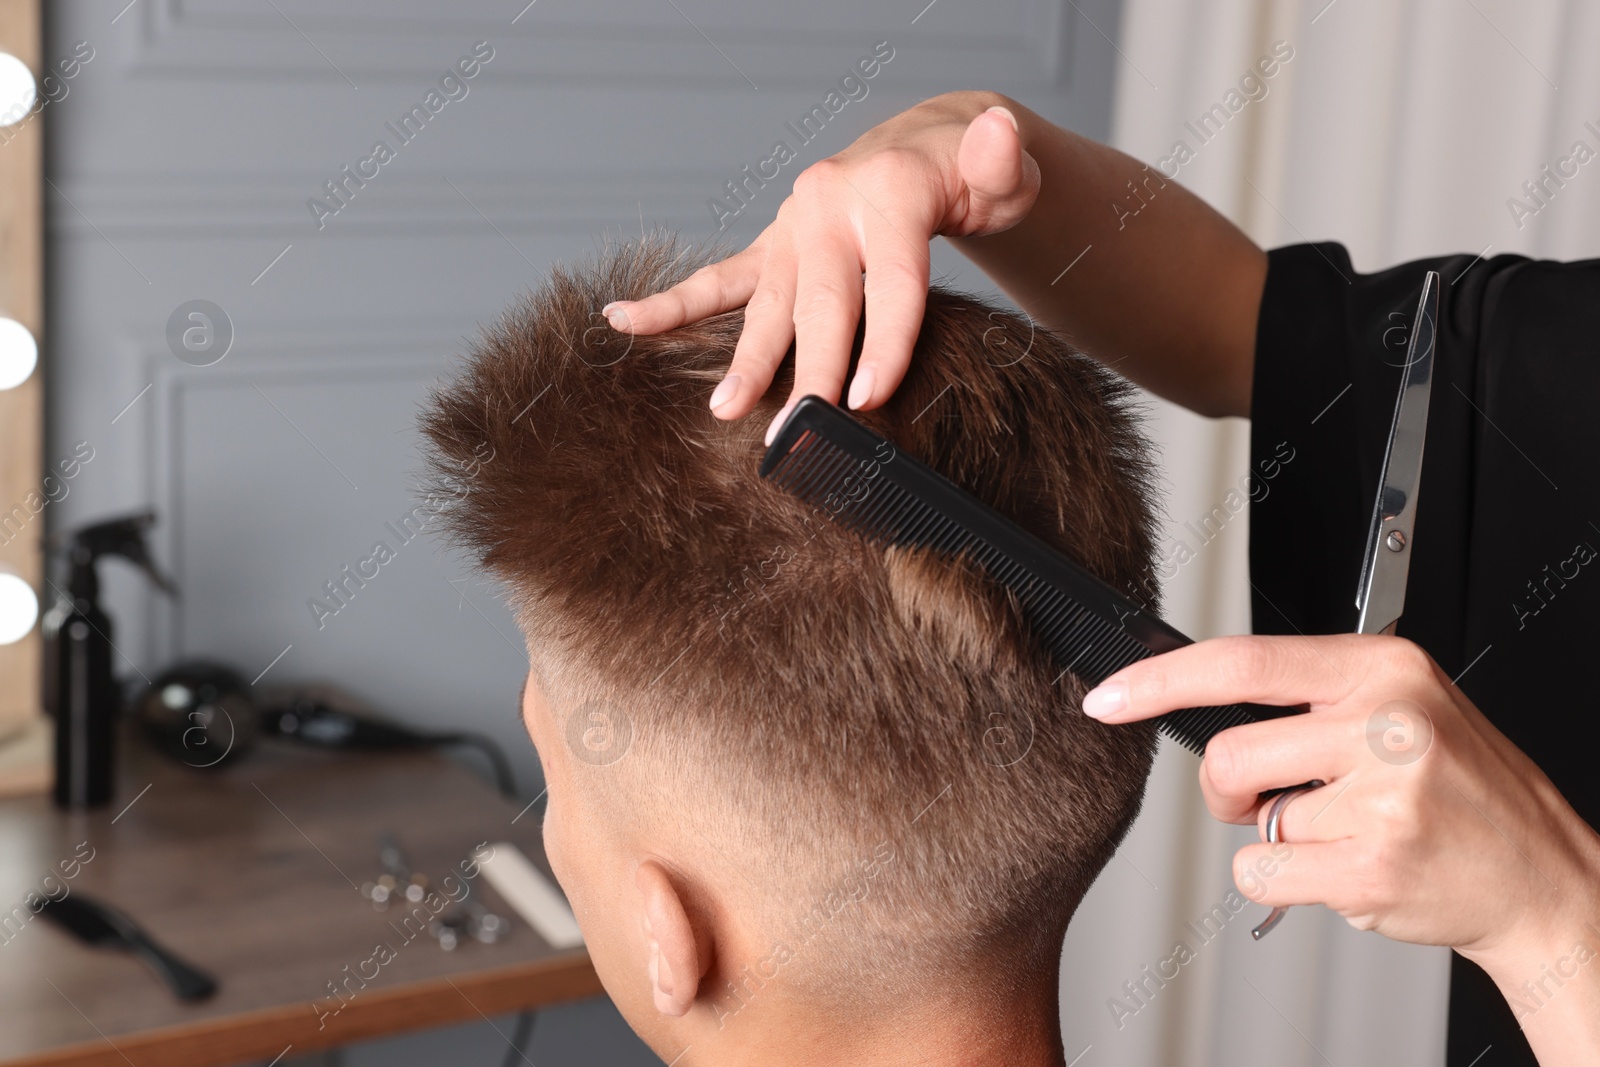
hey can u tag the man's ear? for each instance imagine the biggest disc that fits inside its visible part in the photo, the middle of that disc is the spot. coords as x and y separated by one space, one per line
679 952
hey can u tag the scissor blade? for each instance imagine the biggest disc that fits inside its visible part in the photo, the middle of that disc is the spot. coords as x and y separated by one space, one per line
1381 595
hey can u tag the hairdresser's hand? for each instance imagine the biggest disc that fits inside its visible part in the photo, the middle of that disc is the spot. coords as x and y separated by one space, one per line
953 165
1432 827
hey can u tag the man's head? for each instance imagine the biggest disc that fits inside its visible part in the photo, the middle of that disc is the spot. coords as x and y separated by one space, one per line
785 766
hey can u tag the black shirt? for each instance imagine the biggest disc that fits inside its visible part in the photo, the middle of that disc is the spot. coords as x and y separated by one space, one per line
1504 588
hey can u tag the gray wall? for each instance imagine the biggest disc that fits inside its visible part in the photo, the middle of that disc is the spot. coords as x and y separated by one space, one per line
181 162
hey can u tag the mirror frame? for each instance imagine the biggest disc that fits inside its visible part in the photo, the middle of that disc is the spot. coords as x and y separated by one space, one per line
22 408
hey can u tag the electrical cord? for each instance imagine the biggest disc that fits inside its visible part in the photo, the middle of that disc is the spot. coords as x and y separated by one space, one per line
505 781
519 1039
307 719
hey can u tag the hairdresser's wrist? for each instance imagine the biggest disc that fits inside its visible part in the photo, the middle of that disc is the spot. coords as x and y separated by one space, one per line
1552 986
1555 892
1139 272
1546 962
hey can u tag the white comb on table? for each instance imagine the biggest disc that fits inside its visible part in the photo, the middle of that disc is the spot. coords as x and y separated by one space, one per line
530 893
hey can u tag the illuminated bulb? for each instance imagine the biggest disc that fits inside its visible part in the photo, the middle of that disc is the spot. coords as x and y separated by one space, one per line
17 91
18 608
19 353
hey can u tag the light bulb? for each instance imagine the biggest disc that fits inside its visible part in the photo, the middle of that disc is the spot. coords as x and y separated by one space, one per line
17 91
19 608
19 353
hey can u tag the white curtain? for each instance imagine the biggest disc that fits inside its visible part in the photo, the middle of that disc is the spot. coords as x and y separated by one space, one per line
1402 128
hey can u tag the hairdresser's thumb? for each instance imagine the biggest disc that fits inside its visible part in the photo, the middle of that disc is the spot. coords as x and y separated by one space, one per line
1002 181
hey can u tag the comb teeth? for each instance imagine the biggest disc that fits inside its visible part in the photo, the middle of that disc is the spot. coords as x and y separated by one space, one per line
886 514
825 458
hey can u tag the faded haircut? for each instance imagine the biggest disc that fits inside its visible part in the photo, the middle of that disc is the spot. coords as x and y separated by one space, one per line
833 701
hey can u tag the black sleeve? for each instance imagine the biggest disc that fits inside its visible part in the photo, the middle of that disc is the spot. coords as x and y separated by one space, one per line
1504 590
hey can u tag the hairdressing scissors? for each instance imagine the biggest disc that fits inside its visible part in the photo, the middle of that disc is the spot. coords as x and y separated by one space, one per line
1381 591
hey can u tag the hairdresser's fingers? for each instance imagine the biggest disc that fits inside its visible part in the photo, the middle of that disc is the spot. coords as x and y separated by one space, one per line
827 307
1243 762
768 329
1264 670
1360 803
1374 884
896 287
1289 873
711 290
1002 181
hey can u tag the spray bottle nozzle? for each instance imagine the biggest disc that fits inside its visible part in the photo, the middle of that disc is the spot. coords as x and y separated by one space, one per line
123 537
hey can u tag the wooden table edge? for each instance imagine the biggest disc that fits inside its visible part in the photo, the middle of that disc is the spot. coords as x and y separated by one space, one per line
372 1013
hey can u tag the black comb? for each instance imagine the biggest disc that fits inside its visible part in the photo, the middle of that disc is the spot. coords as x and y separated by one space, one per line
861 481
104 926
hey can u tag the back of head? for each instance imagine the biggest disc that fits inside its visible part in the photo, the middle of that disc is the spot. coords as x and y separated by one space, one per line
866 738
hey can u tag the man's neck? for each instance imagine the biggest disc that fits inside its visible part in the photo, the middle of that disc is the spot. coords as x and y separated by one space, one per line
1021 1029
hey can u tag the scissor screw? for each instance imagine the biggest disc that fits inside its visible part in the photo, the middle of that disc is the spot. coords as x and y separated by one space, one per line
1396 540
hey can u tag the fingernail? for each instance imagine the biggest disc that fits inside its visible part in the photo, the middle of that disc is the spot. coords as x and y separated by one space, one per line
616 315
777 420
1105 699
724 391
861 388
998 110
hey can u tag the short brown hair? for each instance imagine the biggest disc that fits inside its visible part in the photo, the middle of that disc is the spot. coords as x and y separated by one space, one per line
835 694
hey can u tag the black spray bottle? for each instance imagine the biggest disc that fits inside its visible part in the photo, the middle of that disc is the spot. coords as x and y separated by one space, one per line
79 689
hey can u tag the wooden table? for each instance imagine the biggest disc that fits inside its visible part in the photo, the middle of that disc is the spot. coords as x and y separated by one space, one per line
251 872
